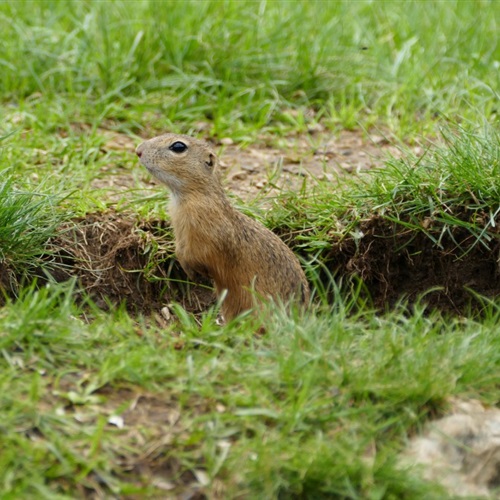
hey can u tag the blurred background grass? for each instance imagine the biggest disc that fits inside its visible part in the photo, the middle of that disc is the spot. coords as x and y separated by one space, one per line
241 65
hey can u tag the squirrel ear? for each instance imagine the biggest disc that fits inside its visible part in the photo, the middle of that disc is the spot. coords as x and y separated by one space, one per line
210 163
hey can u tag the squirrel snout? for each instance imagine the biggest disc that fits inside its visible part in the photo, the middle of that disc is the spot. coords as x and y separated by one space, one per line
138 150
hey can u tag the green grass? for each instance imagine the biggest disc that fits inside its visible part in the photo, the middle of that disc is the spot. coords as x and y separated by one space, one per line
242 66
293 412
322 404
28 219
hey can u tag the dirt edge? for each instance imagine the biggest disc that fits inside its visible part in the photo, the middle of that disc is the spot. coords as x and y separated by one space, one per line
120 258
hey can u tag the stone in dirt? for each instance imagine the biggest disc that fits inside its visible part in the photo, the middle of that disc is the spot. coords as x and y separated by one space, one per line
461 451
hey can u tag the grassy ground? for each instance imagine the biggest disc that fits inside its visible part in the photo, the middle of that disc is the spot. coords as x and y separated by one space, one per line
243 66
110 404
318 406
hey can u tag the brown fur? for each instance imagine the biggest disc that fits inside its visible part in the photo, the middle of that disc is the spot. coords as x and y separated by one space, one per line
213 239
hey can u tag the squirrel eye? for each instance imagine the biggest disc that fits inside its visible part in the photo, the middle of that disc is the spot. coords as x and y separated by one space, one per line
178 147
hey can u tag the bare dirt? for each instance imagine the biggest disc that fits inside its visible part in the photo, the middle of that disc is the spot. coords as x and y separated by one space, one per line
396 264
119 258
145 428
267 167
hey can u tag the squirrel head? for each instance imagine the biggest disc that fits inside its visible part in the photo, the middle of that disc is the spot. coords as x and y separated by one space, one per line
185 164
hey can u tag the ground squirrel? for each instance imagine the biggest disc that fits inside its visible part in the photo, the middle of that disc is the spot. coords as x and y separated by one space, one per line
244 258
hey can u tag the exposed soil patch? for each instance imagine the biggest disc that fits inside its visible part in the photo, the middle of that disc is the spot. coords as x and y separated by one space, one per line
150 424
315 156
120 258
143 428
396 264
264 168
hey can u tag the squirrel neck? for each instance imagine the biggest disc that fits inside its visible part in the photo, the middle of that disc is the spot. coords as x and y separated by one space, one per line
203 223
200 202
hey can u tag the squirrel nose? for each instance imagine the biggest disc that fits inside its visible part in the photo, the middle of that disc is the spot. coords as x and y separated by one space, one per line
138 149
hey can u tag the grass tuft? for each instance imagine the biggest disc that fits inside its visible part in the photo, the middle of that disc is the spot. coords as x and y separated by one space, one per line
28 219
456 184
